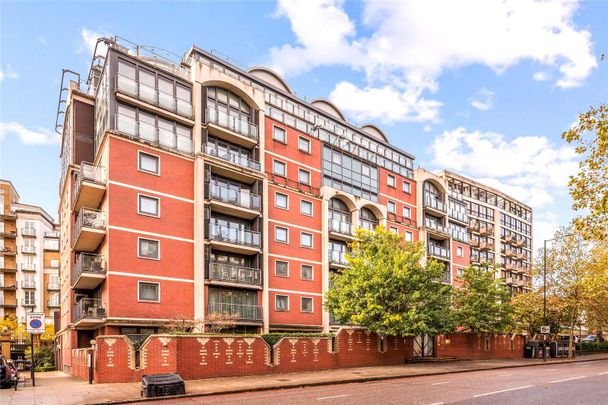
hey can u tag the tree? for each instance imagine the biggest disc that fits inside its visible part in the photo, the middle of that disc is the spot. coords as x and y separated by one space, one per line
386 290
216 323
596 284
482 302
9 322
589 187
49 334
180 324
528 314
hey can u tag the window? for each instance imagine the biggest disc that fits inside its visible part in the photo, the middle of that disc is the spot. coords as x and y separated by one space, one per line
392 207
281 269
281 234
459 251
305 207
394 230
279 134
281 200
306 304
306 272
349 174
149 163
306 239
304 144
409 236
391 181
30 298
149 206
281 302
407 212
304 176
460 272
279 168
149 249
407 187
149 292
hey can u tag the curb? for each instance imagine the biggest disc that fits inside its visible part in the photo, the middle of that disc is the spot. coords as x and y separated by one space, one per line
343 381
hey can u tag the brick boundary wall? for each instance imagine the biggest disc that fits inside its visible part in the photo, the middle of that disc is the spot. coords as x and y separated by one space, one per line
203 356
79 364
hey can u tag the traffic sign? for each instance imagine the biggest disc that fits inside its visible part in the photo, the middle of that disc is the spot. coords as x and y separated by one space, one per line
545 330
35 323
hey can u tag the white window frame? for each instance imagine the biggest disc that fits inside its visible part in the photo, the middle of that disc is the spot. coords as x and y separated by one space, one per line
275 303
312 240
284 166
300 171
390 203
312 272
459 251
391 181
141 152
309 144
140 212
139 282
312 305
311 208
409 187
275 234
409 236
275 201
275 268
408 210
284 141
139 238
394 230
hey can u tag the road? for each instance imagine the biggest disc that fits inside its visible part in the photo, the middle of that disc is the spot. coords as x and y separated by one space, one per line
576 383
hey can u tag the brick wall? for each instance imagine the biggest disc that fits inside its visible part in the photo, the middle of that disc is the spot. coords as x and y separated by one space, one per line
79 366
474 346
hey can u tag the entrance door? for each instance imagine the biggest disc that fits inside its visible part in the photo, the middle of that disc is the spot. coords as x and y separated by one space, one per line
424 346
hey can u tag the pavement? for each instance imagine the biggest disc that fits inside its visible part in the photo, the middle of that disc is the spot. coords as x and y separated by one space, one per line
59 388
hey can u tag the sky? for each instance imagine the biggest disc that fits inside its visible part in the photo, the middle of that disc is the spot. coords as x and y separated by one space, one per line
481 87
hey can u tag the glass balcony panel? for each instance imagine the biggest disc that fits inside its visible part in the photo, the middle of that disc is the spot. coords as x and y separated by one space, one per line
184 144
148 94
148 132
126 125
243 311
166 101
234 274
184 107
127 85
166 138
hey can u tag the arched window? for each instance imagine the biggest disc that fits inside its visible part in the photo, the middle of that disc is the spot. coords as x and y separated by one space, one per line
338 211
367 219
227 105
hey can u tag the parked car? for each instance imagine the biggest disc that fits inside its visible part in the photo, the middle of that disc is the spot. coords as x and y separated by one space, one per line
590 339
9 375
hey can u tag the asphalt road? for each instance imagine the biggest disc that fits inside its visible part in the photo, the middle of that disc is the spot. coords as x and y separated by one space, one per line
572 384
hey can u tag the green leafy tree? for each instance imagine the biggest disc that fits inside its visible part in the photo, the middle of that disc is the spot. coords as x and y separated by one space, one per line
482 302
386 290
528 313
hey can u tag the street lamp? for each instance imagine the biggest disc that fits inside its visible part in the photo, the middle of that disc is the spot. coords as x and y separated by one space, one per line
545 286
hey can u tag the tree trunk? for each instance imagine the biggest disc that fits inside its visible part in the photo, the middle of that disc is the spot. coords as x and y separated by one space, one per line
570 340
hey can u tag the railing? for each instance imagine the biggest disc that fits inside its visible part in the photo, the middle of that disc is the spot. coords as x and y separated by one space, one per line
338 257
434 225
368 224
28 303
88 263
28 266
243 311
486 229
241 198
52 234
90 219
88 308
89 172
234 124
438 251
28 232
341 227
28 284
486 245
7 303
235 274
50 244
7 250
11 234
304 188
455 195
154 96
232 158
52 286
401 219
152 133
28 249
458 215
434 203
8 286
236 236
53 303
460 236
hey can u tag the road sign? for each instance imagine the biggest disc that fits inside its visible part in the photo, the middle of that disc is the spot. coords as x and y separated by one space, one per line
545 330
35 323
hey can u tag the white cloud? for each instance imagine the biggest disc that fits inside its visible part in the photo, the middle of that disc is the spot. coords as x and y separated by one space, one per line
9 73
540 76
39 136
411 43
88 39
529 168
544 227
483 100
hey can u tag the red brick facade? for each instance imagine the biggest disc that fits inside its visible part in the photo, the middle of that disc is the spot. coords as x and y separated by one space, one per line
477 346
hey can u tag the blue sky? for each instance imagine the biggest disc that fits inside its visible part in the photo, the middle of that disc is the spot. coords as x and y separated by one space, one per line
482 88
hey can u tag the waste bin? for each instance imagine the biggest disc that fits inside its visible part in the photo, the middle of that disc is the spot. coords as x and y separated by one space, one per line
534 349
158 385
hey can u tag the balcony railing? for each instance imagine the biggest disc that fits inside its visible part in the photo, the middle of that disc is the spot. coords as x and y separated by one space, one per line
8 286
28 249
28 284
438 251
52 286
88 308
28 266
434 225
486 245
53 303
154 134
50 244
154 96
338 257
89 219
241 198
236 236
90 173
52 234
7 251
368 224
296 185
235 274
234 124
88 263
7 303
28 232
458 215
456 195
460 236
243 311
10 234
27 303
341 227
401 219
432 202
486 229
232 158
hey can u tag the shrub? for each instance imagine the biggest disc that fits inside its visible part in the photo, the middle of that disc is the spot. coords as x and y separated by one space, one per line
594 346
44 358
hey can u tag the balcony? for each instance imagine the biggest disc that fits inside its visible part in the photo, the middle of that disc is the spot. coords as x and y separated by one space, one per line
232 158
232 129
392 217
88 313
337 258
53 303
456 195
473 225
53 286
7 251
28 285
295 185
89 230
8 303
8 216
8 286
159 136
486 245
154 96
509 238
50 244
460 236
28 232
486 230
510 266
459 216
474 242
509 280
90 186
227 273
238 240
520 242
245 313
28 249
8 235
240 203
28 266
438 252
341 229
52 234
521 256
28 303
8 268
435 227
434 204
510 253
89 271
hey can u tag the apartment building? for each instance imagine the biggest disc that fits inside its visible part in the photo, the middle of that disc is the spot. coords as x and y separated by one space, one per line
500 230
29 257
192 187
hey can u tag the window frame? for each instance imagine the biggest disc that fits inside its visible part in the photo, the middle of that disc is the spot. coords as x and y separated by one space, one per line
409 235
390 203
147 214
461 250
391 179
286 200
300 171
311 207
312 305
139 239
409 187
312 239
286 234
275 268
394 230
309 143
284 141
139 282
284 167
139 168
276 296
312 272
409 212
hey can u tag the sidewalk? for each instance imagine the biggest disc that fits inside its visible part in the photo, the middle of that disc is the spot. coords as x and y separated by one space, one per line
59 388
